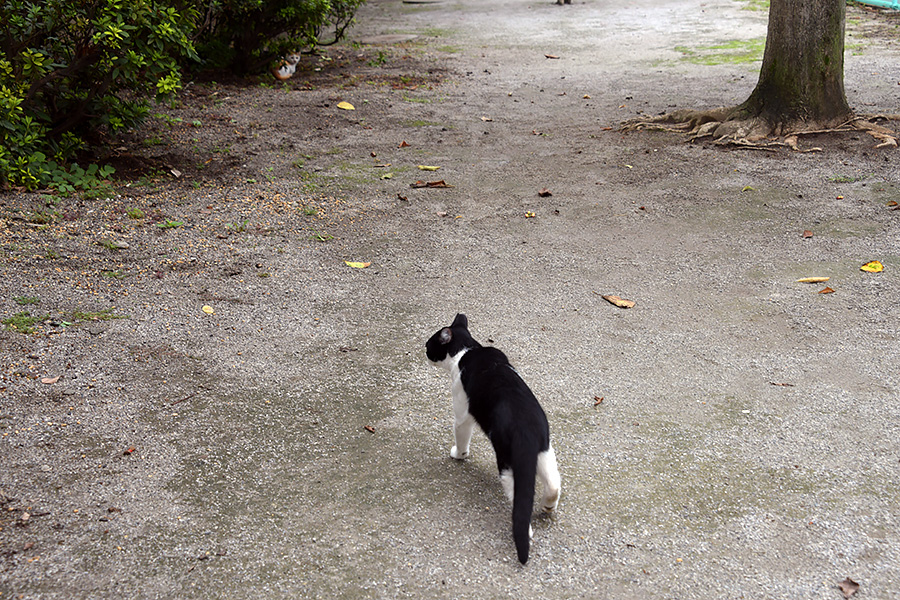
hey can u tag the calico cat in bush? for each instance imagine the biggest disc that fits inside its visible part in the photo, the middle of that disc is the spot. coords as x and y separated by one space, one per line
487 390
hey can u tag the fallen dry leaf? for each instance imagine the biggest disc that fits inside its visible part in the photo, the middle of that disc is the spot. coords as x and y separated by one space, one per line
370 429
807 233
873 266
813 279
486 119
50 380
427 168
387 176
598 400
620 302
586 97
208 309
130 450
529 214
827 290
552 56
403 145
544 193
402 197
357 265
442 213
781 384
848 587
430 184
345 106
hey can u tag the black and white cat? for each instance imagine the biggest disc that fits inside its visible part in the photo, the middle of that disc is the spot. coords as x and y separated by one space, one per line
487 390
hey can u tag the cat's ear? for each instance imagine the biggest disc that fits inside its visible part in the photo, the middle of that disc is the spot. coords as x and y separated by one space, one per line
460 321
446 335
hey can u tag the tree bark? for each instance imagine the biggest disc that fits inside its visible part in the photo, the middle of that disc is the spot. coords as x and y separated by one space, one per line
801 82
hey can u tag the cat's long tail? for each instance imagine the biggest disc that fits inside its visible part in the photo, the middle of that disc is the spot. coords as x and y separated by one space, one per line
523 502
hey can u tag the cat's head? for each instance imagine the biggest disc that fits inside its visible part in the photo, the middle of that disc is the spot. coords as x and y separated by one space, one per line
449 341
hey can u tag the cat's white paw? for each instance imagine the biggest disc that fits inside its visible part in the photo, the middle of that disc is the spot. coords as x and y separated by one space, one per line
549 502
455 453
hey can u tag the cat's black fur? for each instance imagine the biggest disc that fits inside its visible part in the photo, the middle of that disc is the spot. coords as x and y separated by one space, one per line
500 402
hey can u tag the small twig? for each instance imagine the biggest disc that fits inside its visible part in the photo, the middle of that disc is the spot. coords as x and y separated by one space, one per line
188 397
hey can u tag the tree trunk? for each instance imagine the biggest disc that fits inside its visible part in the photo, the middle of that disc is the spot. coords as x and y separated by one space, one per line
801 82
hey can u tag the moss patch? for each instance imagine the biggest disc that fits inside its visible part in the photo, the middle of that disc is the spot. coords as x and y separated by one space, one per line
733 52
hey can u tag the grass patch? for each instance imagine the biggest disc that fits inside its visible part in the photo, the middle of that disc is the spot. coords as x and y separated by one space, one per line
421 123
755 4
170 224
25 322
733 52
26 300
408 98
843 179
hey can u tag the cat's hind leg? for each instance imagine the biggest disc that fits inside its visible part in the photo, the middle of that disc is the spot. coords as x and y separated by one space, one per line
463 433
548 472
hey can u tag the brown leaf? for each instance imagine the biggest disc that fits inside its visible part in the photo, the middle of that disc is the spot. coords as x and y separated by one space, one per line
827 290
544 193
402 197
553 56
50 380
370 429
620 302
807 233
403 144
430 184
813 279
598 400
848 587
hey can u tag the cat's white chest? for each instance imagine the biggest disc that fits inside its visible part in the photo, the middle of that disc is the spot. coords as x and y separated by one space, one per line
457 392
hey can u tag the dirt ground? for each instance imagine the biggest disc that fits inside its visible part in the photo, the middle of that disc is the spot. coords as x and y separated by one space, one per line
212 403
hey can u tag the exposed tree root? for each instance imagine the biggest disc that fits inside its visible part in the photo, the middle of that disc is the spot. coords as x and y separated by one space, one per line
728 127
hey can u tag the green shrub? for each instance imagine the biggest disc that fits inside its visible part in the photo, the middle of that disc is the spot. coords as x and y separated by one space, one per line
72 70
247 35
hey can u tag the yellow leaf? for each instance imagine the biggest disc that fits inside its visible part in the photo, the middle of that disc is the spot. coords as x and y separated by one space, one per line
357 265
208 309
427 168
873 267
813 279
529 214
345 106
620 302
387 176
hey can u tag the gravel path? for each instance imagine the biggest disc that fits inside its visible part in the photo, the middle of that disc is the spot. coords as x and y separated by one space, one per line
239 413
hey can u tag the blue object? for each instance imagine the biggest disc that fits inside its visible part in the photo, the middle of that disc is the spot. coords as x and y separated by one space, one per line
895 4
